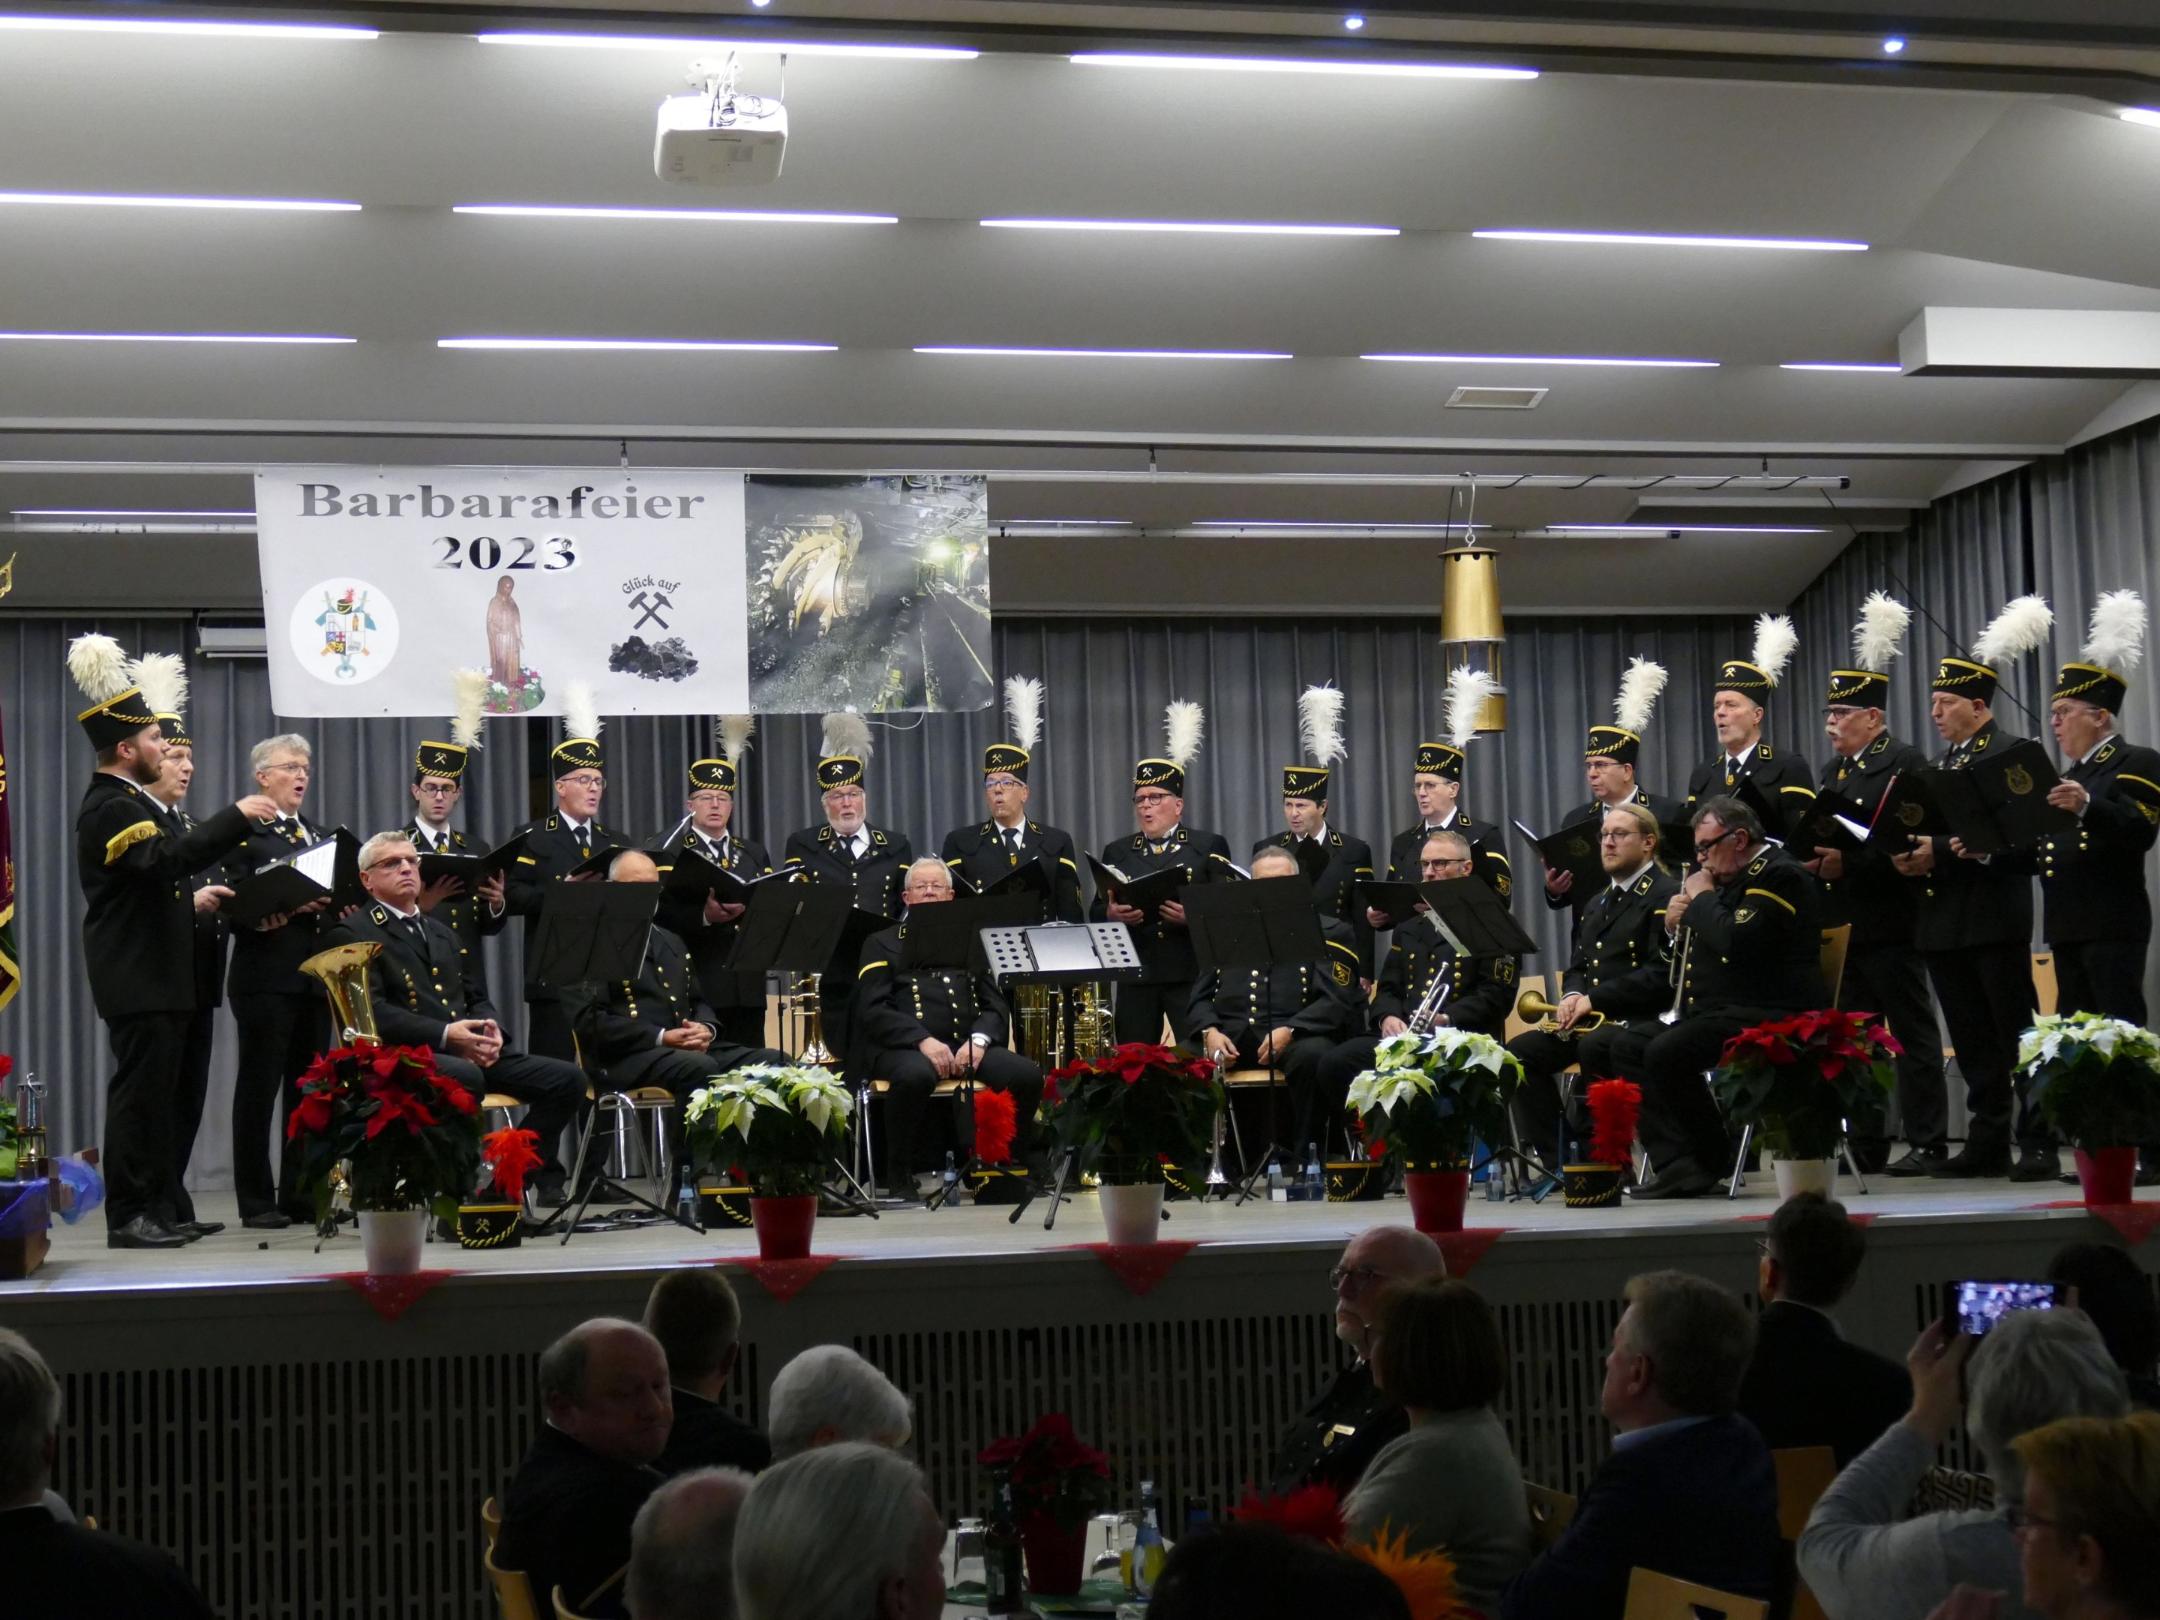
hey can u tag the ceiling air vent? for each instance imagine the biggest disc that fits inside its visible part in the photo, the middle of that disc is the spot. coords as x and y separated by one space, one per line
1495 399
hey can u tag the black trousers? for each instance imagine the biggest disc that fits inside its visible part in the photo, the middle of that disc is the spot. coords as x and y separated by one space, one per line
1142 1007
742 1026
551 1090
280 1035
137 1156
547 1030
1680 1119
2105 976
1891 979
1986 993
189 1094
907 1104
1537 1100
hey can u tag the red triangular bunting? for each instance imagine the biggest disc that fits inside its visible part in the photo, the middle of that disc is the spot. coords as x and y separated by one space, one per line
390 1297
1141 1267
784 1279
2134 1222
1466 1248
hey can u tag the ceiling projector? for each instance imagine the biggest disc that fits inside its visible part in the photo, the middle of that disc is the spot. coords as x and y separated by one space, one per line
715 137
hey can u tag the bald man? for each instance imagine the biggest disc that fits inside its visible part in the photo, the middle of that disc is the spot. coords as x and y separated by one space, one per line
1348 1422
682 1547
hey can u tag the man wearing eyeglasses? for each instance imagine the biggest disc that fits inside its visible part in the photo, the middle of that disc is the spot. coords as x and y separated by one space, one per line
699 918
555 846
1436 781
1749 926
1163 992
989 852
1335 1437
1621 967
438 784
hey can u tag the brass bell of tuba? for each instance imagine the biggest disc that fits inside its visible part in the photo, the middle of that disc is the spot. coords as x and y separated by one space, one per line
343 970
1533 1009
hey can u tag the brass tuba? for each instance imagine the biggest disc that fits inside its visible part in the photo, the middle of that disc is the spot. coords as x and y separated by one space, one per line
343 970
1533 1009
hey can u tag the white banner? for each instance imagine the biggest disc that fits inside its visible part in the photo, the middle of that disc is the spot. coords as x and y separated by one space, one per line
379 582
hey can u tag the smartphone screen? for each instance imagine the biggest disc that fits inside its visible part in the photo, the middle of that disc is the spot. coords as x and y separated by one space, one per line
1980 1305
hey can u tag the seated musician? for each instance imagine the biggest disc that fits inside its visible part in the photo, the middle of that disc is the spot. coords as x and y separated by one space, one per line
1293 1015
923 1025
1621 967
1480 989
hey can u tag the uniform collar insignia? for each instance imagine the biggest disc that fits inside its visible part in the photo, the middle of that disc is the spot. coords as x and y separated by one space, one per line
876 837
380 915
1642 884
553 823
1880 743
2107 751
1763 749
1757 864
825 835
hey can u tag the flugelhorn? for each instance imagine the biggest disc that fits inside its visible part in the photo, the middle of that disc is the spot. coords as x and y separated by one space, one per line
1533 1009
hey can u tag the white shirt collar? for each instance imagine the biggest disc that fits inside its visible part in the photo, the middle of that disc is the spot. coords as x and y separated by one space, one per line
1741 758
402 916
1635 876
2086 757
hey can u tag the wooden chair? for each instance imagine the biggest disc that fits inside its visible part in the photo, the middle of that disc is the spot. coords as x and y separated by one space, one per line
1803 1474
1551 1512
563 1611
513 1589
1651 1596
491 1521
2044 988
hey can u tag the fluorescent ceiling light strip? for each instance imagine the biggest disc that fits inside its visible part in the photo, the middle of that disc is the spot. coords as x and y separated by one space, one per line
1679 528
1327 523
1106 354
1193 227
143 526
2141 115
1841 365
1535 360
200 30
1284 64
641 344
1790 244
166 337
117 512
70 199
717 216
748 47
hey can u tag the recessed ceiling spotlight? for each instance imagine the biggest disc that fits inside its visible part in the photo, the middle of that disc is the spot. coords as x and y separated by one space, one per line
1893 46
2140 115
1353 22
761 4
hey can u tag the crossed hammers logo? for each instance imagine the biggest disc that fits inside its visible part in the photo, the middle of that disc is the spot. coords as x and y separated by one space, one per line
650 603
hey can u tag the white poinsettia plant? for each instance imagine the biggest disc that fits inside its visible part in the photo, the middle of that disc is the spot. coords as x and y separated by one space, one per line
1429 1098
2095 1080
779 1127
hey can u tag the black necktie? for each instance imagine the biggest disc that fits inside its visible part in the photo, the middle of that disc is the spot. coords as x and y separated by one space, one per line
1012 845
418 930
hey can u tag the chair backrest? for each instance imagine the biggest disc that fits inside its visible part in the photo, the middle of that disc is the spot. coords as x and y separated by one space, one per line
1651 1596
490 1520
1834 943
513 1589
1803 1474
1551 1512
2045 991
563 1611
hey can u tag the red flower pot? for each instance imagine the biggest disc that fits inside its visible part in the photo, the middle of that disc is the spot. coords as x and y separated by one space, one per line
1056 1557
783 1226
1437 1198
2106 1175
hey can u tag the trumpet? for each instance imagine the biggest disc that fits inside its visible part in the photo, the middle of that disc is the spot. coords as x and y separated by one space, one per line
1421 1021
1671 1015
1540 1014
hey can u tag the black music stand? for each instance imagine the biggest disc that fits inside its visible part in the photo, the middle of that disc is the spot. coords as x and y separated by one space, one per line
1265 923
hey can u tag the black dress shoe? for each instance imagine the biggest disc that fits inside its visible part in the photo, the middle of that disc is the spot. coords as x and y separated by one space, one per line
267 1220
2036 1164
1970 1165
1682 1178
144 1233
1919 1161
201 1229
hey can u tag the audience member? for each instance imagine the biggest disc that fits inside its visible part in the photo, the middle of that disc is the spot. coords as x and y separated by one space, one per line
1252 1571
1452 1481
829 1394
1806 1386
50 1565
694 1314
1348 1422
1689 1489
2089 1531
2119 1298
682 1547
567 1513
1862 1559
845 1532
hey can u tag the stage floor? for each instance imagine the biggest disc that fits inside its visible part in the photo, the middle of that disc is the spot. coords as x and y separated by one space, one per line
80 1262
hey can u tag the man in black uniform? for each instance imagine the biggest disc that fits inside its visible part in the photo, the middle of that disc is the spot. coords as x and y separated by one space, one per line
871 861
1295 1014
1974 928
137 877
990 851
1883 970
438 783
1621 966
1437 783
283 1020
1163 992
923 1025
1332 861
555 846
1743 686
1609 759
1481 989
210 936
701 920
428 990
1748 923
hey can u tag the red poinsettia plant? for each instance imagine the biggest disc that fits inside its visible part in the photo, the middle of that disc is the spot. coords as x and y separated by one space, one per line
1056 1477
1798 1080
408 1135
1135 1110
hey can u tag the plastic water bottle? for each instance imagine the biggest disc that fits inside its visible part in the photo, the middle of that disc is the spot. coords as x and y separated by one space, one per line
686 1201
1278 1188
1315 1189
950 1179
1148 1550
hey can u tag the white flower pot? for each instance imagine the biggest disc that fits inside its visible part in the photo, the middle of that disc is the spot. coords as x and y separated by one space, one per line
1132 1214
1804 1175
391 1240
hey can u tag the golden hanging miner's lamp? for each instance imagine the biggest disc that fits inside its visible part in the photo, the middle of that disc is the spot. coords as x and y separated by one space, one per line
1470 633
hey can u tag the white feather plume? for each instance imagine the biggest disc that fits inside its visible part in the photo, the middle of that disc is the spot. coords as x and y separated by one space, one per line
581 712
1319 723
1775 640
1467 690
1881 628
2020 627
99 667
1023 708
734 732
2115 640
847 733
468 697
1639 689
163 679
1183 726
